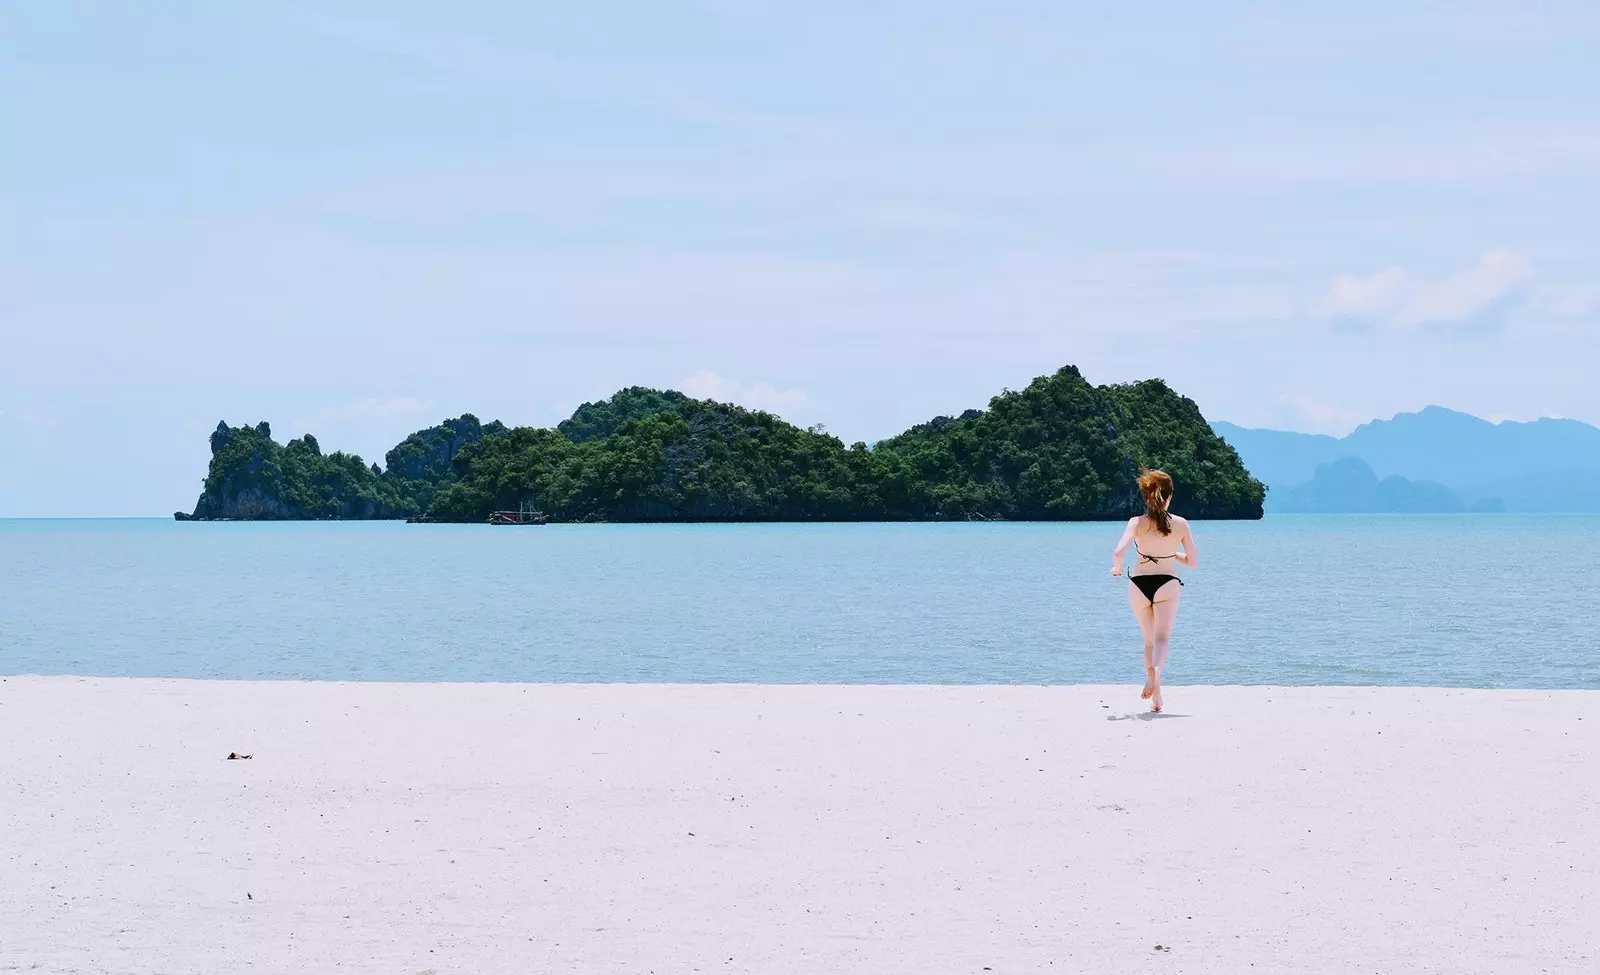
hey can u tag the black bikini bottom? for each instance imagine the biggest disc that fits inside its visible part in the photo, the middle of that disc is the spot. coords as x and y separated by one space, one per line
1149 584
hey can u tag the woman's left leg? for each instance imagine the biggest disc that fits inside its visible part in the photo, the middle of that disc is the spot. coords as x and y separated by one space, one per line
1145 615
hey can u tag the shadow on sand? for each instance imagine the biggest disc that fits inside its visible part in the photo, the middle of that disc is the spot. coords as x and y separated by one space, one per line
1144 716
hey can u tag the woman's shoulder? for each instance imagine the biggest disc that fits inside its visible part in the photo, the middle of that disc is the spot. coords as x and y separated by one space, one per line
1179 521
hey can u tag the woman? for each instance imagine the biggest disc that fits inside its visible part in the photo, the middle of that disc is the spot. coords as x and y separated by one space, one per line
1163 542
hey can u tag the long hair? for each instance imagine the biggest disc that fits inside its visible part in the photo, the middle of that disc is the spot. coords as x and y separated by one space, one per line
1156 486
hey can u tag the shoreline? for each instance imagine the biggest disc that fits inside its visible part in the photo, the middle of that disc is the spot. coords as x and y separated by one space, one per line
1111 690
759 828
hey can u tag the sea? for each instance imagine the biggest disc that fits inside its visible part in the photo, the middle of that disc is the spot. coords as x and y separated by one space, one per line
1459 601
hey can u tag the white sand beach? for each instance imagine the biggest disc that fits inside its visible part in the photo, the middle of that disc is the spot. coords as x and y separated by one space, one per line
620 829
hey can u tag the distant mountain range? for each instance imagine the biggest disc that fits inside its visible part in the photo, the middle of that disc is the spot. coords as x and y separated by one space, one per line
1349 485
1433 460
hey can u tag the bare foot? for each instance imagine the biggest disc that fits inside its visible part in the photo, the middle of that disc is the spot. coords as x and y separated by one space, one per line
1149 684
1155 702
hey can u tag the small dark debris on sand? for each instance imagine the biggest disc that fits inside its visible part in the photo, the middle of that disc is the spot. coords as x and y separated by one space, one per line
236 756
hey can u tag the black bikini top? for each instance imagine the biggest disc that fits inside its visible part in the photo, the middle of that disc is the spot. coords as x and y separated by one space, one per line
1152 559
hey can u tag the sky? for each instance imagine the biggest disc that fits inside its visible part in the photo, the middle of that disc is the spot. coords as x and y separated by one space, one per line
355 219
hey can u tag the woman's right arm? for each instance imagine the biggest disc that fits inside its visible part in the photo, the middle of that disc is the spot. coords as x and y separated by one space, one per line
1122 546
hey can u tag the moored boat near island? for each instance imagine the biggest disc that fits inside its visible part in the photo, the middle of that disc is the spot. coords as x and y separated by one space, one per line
526 514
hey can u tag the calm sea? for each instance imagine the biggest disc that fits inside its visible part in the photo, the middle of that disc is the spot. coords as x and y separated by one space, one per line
1460 601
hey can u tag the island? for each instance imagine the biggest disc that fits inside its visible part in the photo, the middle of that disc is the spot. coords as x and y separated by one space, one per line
1061 449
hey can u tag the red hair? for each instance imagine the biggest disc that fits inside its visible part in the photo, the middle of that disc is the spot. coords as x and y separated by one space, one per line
1156 486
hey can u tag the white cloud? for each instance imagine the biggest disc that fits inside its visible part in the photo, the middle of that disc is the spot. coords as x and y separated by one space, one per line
1366 297
370 411
1496 278
1310 415
1523 417
706 384
1393 297
1571 302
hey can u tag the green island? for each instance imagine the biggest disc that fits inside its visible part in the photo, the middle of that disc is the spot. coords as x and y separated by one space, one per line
1061 449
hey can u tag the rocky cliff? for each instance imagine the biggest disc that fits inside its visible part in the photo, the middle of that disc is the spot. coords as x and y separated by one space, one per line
424 463
253 478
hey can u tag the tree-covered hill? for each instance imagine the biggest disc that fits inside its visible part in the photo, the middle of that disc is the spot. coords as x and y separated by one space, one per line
596 421
1060 449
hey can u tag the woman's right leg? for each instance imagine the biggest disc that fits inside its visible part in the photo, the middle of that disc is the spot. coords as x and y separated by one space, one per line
1145 614
1164 612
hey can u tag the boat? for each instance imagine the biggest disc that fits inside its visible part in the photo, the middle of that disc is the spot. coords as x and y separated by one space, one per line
526 514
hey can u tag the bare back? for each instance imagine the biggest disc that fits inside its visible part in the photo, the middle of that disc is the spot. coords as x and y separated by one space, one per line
1158 552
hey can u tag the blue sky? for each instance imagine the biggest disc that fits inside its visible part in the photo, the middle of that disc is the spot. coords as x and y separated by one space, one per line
356 218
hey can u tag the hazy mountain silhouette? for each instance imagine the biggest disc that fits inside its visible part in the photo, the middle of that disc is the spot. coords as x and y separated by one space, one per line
1349 485
1542 465
1575 491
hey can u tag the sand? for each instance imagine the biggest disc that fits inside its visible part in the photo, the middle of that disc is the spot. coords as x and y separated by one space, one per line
619 829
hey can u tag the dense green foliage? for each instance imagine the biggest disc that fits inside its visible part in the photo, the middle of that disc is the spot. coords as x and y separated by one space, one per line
423 463
596 421
1064 449
501 472
1059 449
697 461
252 477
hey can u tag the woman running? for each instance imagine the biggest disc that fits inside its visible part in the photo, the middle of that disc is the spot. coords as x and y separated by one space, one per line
1162 542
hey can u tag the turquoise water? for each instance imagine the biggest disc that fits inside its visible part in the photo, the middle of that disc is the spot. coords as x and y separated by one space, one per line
1461 601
